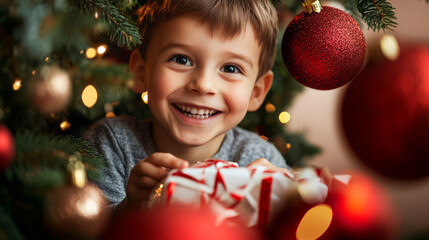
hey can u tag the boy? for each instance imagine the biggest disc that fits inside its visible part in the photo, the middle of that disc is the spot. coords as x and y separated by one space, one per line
204 64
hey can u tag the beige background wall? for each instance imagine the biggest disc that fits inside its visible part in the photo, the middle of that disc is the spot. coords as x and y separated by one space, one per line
316 113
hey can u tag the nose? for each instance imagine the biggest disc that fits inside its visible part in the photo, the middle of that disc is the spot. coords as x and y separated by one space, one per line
202 82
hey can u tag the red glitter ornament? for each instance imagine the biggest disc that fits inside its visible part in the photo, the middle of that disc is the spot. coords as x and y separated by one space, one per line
7 148
385 115
323 50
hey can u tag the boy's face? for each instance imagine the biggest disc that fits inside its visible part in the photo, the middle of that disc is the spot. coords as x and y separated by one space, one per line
199 84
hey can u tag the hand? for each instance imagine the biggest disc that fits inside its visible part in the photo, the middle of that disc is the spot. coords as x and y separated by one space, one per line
147 174
264 162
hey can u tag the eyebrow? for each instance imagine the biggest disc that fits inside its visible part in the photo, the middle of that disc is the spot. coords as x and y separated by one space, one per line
173 45
241 57
230 54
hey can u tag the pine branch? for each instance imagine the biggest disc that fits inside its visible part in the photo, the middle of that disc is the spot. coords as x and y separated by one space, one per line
41 160
378 14
122 32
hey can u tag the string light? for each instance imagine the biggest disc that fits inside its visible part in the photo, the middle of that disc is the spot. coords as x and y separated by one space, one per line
96 15
33 72
145 97
389 47
102 49
64 125
81 51
17 84
270 107
110 114
89 96
284 117
91 53
288 146
46 59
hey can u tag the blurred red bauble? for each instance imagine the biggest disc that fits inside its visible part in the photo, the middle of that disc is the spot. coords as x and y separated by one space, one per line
385 115
174 223
361 211
356 209
7 147
77 213
323 50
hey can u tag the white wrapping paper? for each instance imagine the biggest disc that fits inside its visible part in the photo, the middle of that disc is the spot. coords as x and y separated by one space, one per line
230 191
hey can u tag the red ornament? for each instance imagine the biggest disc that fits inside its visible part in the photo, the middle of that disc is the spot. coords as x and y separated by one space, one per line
361 210
385 115
323 50
355 209
173 223
7 147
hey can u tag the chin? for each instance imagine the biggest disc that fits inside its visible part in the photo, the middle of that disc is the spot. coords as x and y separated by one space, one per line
192 142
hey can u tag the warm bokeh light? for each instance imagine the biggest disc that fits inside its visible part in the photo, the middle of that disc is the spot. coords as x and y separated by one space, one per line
64 125
96 15
145 97
284 117
88 207
270 107
89 96
102 49
46 59
315 222
288 146
33 72
17 84
264 137
91 53
110 115
58 82
389 47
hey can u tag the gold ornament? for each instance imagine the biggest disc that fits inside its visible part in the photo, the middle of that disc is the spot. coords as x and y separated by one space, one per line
51 89
79 212
311 6
78 209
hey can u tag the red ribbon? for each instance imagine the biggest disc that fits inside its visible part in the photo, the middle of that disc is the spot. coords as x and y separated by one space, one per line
264 200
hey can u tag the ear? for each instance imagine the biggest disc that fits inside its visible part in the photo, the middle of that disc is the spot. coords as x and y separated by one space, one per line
136 67
260 90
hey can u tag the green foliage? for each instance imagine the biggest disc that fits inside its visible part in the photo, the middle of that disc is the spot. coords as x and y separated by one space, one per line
121 31
377 14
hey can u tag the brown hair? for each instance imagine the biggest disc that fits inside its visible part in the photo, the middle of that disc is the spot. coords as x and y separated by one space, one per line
227 17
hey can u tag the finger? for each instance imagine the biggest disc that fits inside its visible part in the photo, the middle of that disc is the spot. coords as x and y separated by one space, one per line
144 182
167 160
260 161
145 168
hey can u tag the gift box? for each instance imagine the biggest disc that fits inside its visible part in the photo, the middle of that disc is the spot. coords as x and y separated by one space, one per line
251 194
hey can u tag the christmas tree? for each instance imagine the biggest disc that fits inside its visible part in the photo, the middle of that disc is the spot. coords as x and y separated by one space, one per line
64 66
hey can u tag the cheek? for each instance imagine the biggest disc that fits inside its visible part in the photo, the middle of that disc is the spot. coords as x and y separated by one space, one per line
238 98
161 86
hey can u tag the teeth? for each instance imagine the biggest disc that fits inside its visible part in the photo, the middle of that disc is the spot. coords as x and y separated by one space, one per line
193 112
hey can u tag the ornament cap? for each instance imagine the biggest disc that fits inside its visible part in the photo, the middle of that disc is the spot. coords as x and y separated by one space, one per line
77 170
311 6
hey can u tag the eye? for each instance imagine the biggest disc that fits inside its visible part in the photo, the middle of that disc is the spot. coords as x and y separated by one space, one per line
181 59
230 68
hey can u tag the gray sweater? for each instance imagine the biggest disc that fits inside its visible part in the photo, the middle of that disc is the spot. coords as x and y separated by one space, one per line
124 141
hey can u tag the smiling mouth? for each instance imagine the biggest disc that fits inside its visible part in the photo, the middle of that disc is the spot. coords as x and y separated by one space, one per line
194 112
